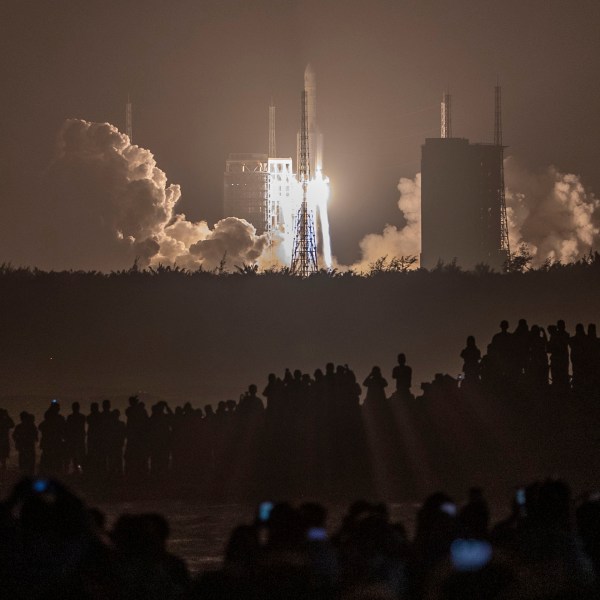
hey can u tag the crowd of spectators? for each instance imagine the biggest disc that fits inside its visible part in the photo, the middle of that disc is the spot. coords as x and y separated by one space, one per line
528 355
310 435
548 547
314 423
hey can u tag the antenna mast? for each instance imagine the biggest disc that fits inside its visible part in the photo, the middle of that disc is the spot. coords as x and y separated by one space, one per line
128 121
304 254
446 115
504 243
272 143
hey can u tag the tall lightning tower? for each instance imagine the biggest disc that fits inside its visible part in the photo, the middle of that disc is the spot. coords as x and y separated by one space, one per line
446 115
304 254
504 243
128 121
272 141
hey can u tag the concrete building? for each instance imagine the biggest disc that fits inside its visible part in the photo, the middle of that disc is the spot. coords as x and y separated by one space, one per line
246 189
461 203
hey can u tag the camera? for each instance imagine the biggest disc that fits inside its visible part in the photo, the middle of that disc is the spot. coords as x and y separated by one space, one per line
264 511
470 555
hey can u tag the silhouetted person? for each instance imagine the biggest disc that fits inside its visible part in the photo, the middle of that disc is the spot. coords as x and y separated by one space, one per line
593 358
75 439
94 439
150 570
159 437
250 403
354 390
402 374
474 517
221 412
578 345
537 365
136 452
274 395
520 347
52 429
6 424
115 442
105 424
471 356
287 377
25 437
558 348
588 528
375 385
500 357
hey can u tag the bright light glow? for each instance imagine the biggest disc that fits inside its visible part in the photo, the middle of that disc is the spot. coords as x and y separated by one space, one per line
285 197
318 190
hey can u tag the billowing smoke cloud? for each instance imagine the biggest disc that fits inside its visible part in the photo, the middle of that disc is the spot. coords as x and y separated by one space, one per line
113 204
552 212
394 241
231 238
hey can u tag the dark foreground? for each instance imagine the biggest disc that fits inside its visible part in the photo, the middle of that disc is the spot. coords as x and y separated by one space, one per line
53 546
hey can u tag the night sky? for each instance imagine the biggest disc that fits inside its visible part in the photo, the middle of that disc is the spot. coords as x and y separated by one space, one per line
201 75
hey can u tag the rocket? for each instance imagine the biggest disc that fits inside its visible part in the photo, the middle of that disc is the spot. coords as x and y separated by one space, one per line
315 138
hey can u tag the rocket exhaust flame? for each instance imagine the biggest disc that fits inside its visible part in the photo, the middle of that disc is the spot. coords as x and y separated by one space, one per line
319 189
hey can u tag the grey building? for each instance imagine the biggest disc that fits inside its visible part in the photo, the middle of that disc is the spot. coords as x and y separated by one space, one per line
461 203
246 189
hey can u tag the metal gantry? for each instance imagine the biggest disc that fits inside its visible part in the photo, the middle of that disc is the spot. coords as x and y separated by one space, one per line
504 242
304 254
272 139
446 115
128 120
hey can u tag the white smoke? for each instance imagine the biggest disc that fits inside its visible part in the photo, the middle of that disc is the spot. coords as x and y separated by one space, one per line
551 212
394 241
318 190
113 205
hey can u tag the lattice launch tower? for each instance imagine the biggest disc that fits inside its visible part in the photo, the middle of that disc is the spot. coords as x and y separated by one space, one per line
504 243
304 254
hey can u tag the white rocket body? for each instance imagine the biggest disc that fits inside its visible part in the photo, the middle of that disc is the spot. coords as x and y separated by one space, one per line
315 138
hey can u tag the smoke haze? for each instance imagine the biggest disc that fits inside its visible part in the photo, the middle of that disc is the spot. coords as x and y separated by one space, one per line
394 241
552 212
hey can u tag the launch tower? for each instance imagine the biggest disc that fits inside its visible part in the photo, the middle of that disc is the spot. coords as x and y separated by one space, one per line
128 120
304 254
504 243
